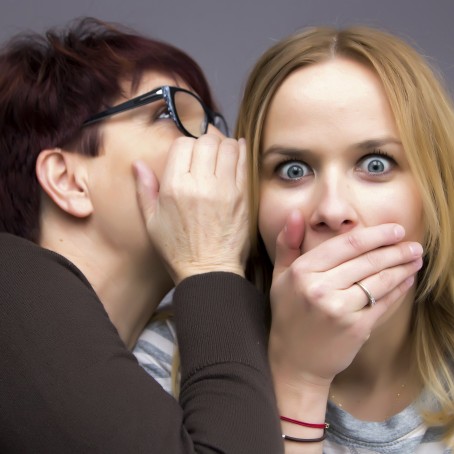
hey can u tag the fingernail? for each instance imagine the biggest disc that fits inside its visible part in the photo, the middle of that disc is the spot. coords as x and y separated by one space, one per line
416 249
399 231
141 173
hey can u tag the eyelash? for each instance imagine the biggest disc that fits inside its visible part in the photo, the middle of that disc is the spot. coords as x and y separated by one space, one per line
284 162
380 154
160 111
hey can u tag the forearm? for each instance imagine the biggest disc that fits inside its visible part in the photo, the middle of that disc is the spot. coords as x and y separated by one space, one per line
220 320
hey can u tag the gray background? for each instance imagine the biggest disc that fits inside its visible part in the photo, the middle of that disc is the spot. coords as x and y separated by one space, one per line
227 36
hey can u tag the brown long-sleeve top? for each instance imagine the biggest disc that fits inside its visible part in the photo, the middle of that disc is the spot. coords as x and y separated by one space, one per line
68 384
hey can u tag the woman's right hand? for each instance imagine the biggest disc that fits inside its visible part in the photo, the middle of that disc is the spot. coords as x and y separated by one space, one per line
320 318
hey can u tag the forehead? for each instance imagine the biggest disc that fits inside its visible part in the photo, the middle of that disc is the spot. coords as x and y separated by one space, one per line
336 81
338 93
149 81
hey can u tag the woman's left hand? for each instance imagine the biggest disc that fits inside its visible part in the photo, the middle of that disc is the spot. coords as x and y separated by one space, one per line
197 216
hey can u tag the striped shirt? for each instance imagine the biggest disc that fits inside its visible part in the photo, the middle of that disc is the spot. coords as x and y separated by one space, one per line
156 346
403 433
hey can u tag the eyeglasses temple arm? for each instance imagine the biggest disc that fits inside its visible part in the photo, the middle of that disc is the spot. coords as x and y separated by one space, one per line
128 105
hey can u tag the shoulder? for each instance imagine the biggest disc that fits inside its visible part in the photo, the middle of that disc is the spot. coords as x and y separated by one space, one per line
39 284
21 259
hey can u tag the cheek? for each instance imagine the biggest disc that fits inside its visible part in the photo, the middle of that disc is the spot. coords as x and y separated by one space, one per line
400 203
156 151
408 211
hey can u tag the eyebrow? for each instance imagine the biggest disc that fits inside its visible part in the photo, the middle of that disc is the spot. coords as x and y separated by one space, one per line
297 152
376 143
283 150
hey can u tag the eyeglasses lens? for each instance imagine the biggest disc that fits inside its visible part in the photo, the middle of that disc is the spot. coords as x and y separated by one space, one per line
191 113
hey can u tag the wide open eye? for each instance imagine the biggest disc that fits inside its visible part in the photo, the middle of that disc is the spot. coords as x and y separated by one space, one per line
376 164
293 170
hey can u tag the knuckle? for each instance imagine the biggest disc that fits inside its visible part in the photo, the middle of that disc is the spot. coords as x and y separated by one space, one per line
385 278
183 141
334 311
210 140
375 259
230 142
316 291
354 240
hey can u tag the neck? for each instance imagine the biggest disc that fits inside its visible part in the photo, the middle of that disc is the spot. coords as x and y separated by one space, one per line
383 378
130 286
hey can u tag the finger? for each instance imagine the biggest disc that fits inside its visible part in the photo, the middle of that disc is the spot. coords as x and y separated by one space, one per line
204 156
370 315
227 161
179 159
383 283
241 168
289 241
347 246
147 188
374 262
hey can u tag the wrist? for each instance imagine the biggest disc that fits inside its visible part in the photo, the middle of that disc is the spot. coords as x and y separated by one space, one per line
204 269
302 398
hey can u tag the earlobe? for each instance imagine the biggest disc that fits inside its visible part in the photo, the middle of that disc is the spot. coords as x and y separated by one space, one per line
61 175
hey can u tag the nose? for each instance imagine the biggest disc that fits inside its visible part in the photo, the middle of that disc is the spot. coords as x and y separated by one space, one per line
334 205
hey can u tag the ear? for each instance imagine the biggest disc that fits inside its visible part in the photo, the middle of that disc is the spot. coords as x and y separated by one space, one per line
62 176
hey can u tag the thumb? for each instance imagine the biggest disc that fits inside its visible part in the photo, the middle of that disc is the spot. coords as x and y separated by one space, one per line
147 188
289 241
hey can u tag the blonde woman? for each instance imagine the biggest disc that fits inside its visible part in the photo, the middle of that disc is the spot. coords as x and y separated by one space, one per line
351 130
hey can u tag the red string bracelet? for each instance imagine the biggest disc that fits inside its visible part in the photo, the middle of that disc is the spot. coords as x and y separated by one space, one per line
305 424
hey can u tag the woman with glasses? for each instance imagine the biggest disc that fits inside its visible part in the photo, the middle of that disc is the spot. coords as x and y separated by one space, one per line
116 184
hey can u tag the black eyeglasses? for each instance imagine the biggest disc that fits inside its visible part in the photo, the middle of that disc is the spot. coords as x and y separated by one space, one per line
186 109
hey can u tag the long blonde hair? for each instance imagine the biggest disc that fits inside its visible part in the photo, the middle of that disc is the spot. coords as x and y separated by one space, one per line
424 116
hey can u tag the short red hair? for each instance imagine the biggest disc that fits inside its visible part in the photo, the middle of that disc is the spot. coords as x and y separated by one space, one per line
51 83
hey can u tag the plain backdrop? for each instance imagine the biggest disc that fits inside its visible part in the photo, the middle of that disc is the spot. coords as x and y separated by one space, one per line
226 36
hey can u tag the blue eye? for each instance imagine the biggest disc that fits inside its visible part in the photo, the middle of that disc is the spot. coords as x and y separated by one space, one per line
376 164
293 170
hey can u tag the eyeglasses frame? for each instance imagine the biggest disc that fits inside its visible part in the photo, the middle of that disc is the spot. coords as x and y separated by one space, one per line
166 92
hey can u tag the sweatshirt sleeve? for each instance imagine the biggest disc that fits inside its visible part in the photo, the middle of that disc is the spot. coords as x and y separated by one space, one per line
68 383
222 338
